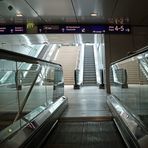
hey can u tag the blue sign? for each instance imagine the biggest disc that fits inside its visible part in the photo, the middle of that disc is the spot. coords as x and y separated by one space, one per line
11 29
93 29
47 29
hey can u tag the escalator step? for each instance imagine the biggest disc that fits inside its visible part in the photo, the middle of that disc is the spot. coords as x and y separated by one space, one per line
85 135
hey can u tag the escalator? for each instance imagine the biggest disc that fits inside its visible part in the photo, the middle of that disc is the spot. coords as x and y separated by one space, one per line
27 112
89 73
84 134
119 131
36 119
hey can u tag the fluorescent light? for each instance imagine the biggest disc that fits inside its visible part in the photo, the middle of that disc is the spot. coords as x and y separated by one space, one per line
19 14
93 14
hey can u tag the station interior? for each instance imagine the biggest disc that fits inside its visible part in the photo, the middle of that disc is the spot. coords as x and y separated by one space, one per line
73 73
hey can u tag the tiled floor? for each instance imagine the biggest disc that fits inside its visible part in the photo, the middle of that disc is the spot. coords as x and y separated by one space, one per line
88 101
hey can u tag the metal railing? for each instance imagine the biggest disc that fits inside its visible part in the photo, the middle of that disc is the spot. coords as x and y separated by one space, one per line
33 52
20 101
130 106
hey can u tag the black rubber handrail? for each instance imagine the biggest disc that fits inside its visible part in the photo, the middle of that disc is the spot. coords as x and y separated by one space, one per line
135 53
9 55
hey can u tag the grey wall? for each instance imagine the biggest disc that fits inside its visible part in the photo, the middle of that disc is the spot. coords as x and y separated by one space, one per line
120 44
117 46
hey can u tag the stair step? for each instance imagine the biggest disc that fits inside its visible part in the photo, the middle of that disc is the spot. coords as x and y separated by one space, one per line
89 74
89 77
89 71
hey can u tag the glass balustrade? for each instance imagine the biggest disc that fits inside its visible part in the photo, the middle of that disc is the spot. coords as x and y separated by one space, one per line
5 76
129 83
30 89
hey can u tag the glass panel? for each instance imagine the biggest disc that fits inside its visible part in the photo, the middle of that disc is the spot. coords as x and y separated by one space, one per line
33 93
143 94
8 93
49 83
58 84
134 95
27 89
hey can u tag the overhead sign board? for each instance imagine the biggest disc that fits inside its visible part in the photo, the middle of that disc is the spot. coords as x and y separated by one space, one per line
11 29
94 29
47 29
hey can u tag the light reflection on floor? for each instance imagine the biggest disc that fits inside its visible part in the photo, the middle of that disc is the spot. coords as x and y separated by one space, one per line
87 101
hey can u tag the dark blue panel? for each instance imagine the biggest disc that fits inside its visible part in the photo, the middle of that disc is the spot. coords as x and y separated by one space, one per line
11 29
45 29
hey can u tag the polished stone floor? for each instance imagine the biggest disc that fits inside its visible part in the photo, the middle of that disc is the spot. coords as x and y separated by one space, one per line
89 101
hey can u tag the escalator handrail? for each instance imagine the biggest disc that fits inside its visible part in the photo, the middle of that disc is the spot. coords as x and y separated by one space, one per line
9 55
135 128
135 53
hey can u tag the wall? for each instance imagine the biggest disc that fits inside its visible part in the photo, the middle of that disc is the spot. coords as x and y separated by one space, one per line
118 46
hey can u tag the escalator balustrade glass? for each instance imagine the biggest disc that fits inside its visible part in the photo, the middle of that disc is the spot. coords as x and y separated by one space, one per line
135 95
27 87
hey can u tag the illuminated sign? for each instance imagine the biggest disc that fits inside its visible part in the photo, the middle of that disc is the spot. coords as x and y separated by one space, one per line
95 29
47 29
18 29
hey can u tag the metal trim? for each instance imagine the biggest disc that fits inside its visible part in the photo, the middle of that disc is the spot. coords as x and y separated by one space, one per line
27 136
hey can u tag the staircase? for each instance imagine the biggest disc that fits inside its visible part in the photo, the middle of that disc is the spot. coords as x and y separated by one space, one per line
67 56
89 73
135 75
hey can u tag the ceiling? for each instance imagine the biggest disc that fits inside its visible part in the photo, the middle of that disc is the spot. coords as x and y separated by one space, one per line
73 11
134 12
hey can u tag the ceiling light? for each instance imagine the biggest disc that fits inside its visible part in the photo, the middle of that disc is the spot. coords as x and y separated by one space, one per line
93 14
19 15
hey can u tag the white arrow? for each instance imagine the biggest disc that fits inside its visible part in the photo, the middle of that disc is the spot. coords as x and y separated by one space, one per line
40 30
11 30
